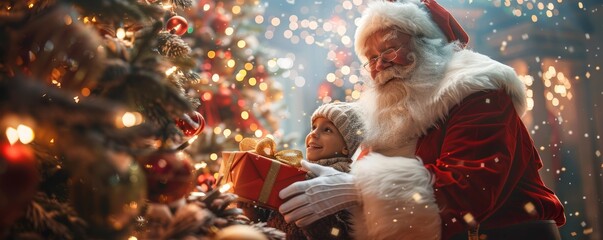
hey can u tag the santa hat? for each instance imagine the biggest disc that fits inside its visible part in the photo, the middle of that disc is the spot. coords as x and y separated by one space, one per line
425 18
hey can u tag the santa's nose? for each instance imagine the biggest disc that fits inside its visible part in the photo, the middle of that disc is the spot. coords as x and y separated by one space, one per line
381 65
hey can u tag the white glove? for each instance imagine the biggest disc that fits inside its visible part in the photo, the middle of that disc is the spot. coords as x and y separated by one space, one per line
330 192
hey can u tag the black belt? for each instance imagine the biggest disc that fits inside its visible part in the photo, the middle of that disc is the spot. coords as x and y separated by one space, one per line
532 230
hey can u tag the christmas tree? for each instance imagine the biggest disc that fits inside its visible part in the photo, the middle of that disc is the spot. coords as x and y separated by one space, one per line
101 104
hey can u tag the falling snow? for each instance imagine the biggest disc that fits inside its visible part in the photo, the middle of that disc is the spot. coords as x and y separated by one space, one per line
561 72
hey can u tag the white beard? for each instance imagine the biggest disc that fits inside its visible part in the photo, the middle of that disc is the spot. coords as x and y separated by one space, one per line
389 104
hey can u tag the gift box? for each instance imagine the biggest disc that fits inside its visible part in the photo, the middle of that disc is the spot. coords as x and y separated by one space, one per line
257 177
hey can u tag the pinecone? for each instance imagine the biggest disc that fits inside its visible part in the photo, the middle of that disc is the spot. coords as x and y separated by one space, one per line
171 45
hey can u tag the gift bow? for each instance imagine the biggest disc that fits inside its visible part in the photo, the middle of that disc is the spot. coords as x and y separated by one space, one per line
267 148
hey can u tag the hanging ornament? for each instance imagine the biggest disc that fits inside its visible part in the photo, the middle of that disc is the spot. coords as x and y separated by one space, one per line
206 181
19 179
191 123
108 194
177 25
170 175
220 22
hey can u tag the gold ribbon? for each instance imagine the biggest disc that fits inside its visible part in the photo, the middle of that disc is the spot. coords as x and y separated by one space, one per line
269 182
267 148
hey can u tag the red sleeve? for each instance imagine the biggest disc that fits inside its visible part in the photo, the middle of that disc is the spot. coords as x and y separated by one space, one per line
474 171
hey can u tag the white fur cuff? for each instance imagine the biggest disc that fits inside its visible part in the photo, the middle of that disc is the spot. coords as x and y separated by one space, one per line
397 199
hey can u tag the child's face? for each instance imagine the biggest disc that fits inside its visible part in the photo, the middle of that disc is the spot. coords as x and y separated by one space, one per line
324 141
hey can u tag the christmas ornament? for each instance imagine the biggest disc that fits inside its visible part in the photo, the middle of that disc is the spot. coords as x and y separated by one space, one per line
177 25
220 22
108 194
191 123
206 181
170 175
18 181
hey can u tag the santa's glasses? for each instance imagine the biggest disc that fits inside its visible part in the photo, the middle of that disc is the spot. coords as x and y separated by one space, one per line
387 56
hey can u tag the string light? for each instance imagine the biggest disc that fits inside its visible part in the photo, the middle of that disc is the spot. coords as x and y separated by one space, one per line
120 33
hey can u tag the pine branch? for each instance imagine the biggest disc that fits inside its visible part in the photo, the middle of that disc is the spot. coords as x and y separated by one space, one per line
50 50
171 45
117 10
48 218
183 4
190 220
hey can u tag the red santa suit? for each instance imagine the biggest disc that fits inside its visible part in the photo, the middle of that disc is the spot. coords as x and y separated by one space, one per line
474 145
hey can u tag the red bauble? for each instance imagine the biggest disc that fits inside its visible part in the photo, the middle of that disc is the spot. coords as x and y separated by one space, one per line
177 25
170 175
19 179
191 123
206 181
220 23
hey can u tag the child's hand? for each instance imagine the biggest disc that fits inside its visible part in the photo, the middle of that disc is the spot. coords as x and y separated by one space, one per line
330 192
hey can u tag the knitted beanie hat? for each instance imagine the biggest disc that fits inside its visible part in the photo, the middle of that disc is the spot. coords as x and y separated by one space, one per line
346 119
424 18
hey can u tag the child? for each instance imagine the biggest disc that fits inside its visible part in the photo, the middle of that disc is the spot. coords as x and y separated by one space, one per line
336 133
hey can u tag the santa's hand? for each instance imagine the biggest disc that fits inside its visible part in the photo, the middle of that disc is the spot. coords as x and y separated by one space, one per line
330 192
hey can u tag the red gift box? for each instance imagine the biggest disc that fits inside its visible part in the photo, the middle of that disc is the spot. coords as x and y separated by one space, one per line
258 178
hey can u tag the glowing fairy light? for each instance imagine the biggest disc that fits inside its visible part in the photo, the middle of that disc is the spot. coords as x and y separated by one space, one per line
248 66
275 21
236 9
120 33
245 115
213 156
226 133
230 63
263 86
259 19
200 165
229 31
12 135
258 133
26 134
224 188
241 43
171 70
217 130
128 119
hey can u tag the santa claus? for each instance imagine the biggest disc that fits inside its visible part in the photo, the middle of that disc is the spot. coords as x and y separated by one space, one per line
447 153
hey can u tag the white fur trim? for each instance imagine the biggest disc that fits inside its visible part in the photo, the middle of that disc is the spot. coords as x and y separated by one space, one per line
467 72
397 199
405 15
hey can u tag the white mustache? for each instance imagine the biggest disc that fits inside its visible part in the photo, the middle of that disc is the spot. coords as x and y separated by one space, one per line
397 71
